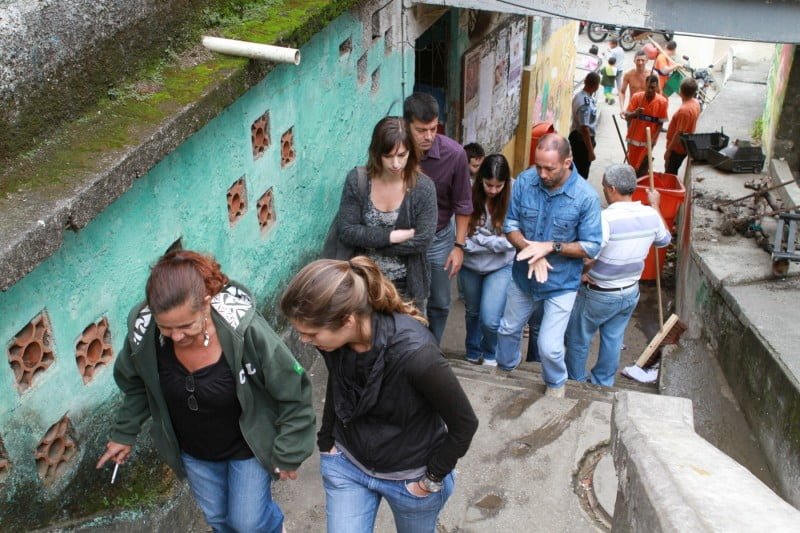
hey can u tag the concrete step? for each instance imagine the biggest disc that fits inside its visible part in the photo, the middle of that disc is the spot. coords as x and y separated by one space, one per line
529 375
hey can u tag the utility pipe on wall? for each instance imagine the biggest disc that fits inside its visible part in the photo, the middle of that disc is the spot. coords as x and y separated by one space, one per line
266 52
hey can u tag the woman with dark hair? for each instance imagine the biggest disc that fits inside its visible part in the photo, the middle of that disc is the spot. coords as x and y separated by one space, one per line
488 257
395 419
393 219
231 407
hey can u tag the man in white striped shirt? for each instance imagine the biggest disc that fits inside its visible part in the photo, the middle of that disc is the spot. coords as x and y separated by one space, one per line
610 289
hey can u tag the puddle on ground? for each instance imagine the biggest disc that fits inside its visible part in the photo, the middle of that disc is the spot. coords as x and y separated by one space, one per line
546 433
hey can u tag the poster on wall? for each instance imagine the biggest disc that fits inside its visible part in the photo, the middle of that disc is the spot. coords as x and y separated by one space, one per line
516 42
501 65
472 62
490 91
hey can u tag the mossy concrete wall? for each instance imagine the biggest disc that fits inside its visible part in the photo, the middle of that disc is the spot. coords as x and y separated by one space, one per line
59 55
100 270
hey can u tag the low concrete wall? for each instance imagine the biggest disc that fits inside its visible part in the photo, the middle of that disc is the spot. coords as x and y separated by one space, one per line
729 297
671 479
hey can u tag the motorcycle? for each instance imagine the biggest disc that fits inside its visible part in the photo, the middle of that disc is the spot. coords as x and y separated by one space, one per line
705 82
628 37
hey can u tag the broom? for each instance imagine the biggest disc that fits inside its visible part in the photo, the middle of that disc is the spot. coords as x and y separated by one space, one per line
671 330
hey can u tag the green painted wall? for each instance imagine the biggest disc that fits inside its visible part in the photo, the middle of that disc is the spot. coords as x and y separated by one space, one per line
101 270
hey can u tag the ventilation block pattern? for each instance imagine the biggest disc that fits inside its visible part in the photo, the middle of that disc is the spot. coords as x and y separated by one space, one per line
93 349
5 465
266 210
55 451
259 135
287 147
237 200
31 351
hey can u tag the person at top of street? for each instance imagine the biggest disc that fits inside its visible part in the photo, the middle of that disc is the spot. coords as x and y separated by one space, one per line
683 121
584 125
646 111
616 51
666 63
634 81
444 161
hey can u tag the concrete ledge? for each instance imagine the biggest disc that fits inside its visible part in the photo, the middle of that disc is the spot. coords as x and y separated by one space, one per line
671 479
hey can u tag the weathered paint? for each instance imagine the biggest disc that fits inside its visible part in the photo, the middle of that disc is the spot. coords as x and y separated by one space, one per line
777 84
555 63
101 270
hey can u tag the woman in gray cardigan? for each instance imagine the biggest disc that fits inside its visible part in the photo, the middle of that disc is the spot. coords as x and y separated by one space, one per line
393 219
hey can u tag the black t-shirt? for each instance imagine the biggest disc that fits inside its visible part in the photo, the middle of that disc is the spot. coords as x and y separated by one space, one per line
211 433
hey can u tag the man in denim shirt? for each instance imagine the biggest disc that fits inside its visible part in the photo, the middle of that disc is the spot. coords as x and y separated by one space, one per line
554 222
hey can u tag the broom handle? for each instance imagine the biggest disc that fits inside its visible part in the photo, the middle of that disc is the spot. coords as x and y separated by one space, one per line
655 250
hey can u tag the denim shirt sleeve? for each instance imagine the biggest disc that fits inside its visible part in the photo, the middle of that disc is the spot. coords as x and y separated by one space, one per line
511 222
590 230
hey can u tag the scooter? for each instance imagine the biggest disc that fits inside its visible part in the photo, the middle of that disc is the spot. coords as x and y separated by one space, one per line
628 37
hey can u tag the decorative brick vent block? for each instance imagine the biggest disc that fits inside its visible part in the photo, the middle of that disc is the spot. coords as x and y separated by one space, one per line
376 80
266 210
287 147
94 349
376 25
31 351
346 47
387 41
5 465
237 200
55 451
259 135
361 69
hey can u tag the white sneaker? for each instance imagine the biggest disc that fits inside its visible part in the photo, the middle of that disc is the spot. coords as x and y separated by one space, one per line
489 362
555 392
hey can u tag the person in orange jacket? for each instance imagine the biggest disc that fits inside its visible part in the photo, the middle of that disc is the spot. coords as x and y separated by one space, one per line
647 110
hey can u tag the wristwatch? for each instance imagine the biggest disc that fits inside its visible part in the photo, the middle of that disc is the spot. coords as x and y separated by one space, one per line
557 247
430 484
460 245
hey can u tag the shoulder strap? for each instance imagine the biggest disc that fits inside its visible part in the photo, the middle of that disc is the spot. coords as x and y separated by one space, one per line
362 180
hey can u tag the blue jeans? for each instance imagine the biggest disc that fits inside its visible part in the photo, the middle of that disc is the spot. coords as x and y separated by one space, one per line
534 323
550 342
609 312
484 301
234 496
353 497
439 300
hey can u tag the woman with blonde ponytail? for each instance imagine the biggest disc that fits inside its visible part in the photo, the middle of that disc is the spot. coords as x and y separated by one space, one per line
396 419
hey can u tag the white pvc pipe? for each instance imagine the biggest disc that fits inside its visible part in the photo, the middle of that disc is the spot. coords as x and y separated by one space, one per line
266 52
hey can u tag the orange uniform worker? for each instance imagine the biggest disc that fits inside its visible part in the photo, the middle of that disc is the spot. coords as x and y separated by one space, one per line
665 64
646 111
683 121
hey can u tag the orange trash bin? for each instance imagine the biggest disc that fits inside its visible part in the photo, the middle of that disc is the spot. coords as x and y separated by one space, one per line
672 195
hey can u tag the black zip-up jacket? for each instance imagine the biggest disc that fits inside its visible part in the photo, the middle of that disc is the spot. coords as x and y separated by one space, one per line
410 413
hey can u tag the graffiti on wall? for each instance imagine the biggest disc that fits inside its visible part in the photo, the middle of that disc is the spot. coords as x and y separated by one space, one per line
777 83
553 77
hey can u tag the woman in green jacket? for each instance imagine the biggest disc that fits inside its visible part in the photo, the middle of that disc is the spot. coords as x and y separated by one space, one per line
231 407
